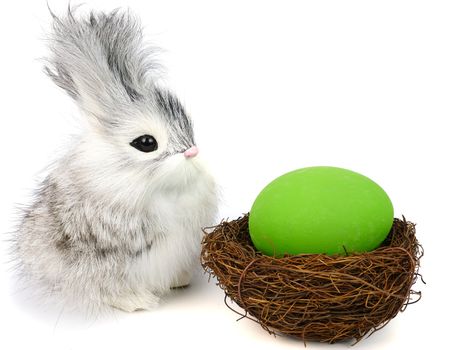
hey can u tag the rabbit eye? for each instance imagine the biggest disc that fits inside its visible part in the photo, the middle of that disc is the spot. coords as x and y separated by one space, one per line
144 143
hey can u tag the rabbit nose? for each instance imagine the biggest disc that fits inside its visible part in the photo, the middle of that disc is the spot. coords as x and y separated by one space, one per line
191 152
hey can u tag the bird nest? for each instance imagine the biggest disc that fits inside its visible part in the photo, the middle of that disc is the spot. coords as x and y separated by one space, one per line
315 296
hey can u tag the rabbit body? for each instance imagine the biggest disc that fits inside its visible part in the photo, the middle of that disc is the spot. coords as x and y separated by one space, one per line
116 223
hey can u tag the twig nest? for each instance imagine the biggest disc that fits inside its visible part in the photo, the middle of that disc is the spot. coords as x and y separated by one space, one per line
315 296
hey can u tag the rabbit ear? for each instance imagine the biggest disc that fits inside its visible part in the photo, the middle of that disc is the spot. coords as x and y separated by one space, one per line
101 62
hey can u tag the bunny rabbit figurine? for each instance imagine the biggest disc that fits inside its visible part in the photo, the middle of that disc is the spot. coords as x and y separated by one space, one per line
118 221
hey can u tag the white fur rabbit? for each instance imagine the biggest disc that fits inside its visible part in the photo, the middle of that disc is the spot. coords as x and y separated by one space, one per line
119 219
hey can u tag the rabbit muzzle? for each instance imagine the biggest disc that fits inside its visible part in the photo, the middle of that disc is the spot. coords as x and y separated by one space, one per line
191 152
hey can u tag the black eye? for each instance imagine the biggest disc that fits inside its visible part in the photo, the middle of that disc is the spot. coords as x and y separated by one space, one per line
144 143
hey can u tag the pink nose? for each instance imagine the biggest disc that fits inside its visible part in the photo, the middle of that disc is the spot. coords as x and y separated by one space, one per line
191 152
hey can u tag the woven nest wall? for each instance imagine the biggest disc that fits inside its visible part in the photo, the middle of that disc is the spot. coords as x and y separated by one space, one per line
315 296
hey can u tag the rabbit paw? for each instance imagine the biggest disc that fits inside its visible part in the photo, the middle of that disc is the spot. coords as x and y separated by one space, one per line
136 302
182 281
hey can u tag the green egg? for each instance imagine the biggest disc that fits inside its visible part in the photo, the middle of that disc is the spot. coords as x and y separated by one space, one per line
320 210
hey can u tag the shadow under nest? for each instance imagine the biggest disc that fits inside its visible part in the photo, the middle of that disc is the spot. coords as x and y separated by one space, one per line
315 296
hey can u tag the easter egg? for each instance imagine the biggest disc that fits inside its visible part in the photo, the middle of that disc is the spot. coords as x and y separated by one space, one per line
320 209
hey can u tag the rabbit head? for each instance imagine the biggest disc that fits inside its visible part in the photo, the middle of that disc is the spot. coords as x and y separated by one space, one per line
139 136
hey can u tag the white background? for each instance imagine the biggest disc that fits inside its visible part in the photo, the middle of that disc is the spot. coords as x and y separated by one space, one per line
376 87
